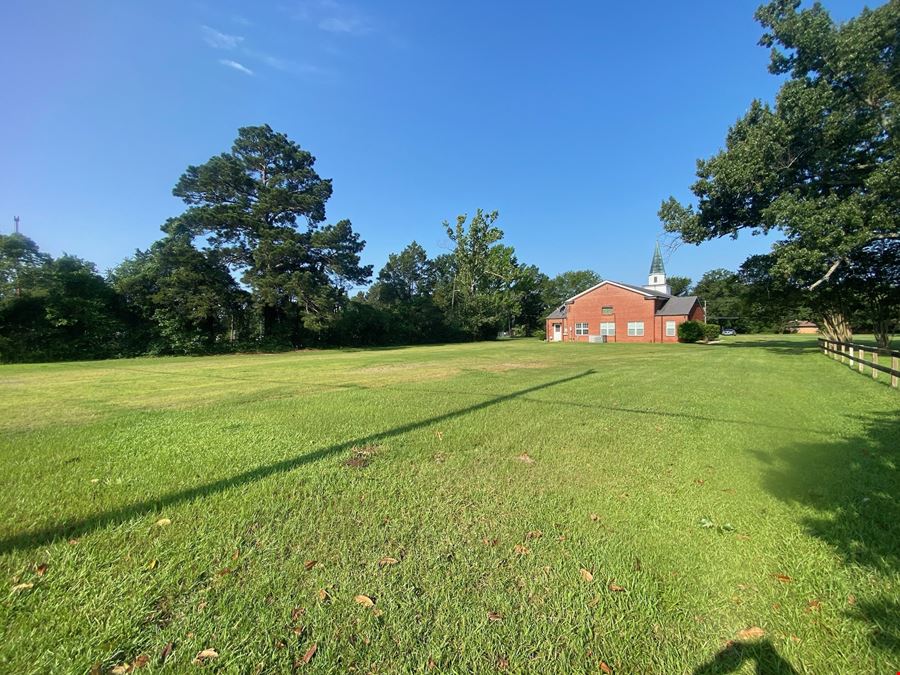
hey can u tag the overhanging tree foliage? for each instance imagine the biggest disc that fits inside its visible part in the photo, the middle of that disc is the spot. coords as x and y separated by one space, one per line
821 166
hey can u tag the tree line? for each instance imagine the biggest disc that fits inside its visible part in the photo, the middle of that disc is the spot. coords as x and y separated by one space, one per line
251 264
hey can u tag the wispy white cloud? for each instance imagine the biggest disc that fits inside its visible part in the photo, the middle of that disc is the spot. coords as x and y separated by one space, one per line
352 25
240 67
220 40
333 16
284 65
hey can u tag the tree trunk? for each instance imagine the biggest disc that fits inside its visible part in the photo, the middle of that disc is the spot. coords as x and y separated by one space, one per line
836 327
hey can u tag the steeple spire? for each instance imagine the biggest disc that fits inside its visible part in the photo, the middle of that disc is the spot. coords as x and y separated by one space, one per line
656 267
656 280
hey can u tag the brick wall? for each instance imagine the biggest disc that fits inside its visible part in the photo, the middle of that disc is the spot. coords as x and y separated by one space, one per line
627 306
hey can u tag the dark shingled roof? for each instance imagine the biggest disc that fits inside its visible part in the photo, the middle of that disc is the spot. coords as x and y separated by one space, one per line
677 306
558 313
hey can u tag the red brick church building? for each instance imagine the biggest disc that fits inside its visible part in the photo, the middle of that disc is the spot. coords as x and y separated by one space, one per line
625 313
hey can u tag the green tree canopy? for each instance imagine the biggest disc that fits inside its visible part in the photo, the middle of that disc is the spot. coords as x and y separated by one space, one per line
821 166
679 285
262 206
564 285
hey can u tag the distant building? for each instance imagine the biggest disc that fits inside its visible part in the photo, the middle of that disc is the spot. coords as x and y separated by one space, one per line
624 313
803 327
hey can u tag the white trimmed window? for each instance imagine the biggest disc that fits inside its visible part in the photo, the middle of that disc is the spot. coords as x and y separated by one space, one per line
607 328
636 328
670 329
581 329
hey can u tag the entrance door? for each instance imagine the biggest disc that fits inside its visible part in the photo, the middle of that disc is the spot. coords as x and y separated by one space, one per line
557 332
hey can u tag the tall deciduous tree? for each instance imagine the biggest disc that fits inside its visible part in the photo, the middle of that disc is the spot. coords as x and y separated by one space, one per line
262 206
481 275
822 166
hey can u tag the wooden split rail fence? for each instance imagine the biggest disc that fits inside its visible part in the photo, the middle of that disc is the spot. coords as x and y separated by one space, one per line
855 354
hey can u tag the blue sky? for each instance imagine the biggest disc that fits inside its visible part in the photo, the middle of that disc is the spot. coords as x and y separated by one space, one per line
573 119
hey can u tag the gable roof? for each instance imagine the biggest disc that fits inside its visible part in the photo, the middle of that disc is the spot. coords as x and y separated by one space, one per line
628 287
677 305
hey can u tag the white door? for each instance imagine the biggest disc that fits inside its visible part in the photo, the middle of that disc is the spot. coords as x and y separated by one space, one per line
557 332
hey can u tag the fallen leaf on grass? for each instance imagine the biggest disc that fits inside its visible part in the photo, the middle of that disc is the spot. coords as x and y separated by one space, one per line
534 534
519 549
615 588
605 668
22 587
490 542
594 517
153 564
586 575
164 654
309 564
387 560
140 662
752 633
851 599
364 600
813 606
296 613
502 664
310 653
206 655
121 669
431 664
495 616
525 458
163 522
783 578
323 595
41 569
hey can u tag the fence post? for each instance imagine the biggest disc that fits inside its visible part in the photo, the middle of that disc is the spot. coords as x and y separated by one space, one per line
875 361
851 358
862 358
895 365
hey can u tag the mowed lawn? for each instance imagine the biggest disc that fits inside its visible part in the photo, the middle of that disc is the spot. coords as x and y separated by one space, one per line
513 506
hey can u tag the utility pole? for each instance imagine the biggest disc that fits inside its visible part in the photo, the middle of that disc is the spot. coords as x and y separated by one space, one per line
16 219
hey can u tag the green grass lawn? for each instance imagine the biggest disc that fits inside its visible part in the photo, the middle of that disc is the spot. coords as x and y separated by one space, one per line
513 505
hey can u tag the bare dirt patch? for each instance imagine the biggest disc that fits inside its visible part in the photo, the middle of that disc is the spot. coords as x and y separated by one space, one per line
361 456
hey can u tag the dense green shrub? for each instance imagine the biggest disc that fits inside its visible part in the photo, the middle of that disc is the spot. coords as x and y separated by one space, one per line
690 331
711 331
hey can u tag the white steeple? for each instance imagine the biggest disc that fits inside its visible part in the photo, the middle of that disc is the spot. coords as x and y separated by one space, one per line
656 280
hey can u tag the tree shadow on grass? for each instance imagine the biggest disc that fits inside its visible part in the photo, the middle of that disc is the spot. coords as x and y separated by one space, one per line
852 484
767 659
786 347
75 528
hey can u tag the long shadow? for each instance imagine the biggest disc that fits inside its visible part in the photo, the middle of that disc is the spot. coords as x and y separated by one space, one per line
786 347
75 528
641 411
767 659
852 485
